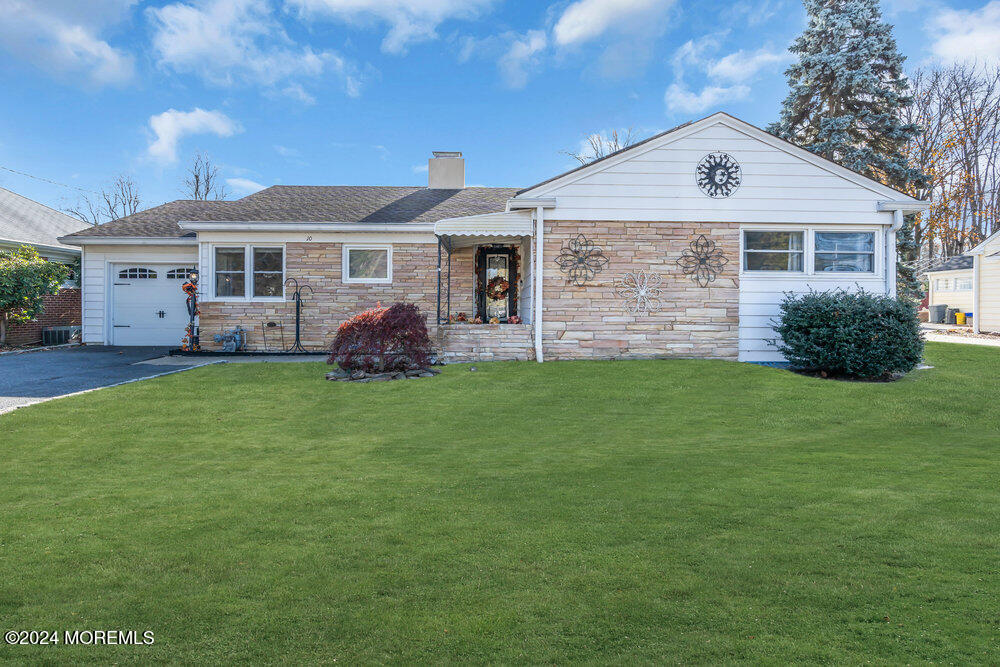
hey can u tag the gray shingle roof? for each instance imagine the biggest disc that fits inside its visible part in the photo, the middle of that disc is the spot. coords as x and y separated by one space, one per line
311 203
26 221
953 264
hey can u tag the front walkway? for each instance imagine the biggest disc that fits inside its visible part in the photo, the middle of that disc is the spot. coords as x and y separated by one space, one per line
950 333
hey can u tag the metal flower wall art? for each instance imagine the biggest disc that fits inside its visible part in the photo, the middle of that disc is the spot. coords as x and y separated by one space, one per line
640 292
581 260
702 261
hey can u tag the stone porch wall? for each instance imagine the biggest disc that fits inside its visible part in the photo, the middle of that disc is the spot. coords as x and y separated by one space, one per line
590 321
484 342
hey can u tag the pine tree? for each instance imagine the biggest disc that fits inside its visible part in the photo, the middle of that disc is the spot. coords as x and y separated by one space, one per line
847 93
906 252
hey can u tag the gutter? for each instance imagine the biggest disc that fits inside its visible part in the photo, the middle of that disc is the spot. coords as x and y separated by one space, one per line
126 240
270 226
43 246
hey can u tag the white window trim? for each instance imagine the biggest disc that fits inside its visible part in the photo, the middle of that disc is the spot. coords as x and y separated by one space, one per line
247 273
809 247
777 274
345 263
874 251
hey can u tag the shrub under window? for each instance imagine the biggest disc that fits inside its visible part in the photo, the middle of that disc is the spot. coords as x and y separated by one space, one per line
860 335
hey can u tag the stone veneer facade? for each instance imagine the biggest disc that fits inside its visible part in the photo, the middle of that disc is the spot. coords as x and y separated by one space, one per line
578 322
590 322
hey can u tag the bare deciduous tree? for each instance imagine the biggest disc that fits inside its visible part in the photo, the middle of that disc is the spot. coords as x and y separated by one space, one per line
116 201
598 145
959 152
202 181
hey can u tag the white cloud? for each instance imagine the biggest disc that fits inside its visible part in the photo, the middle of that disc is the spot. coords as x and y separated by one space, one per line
172 125
743 65
420 168
297 92
585 20
961 35
522 55
244 185
410 21
725 78
515 53
239 41
285 151
679 98
63 38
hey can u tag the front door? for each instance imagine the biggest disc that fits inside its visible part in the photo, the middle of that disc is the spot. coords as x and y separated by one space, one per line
497 269
496 283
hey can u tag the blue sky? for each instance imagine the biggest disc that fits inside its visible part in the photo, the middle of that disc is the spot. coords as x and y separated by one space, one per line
361 91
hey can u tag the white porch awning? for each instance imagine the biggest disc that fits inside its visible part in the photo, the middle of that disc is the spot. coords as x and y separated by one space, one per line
487 228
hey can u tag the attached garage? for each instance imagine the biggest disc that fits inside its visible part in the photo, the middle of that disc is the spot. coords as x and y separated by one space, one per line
147 304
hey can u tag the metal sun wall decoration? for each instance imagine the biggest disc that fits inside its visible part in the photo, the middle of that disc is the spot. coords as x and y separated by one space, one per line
581 260
640 291
703 261
719 175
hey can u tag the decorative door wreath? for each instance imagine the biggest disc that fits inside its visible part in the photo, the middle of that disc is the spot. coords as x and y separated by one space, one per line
497 288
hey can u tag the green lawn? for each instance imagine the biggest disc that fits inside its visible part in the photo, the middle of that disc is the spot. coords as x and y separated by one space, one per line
667 511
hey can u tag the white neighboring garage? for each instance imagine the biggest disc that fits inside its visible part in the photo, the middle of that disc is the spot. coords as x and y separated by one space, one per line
126 287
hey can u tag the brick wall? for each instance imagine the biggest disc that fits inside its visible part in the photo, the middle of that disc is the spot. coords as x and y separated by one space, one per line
62 309
591 322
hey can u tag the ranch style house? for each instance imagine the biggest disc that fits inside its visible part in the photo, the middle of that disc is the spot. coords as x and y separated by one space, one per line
681 245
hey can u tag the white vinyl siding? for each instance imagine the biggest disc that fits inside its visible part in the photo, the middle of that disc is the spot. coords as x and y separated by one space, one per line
96 280
989 292
943 289
761 292
658 183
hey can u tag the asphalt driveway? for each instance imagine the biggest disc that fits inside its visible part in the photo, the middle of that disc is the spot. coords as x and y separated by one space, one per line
32 377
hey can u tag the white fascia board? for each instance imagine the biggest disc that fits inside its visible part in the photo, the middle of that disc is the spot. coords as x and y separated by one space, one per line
518 203
126 240
904 206
968 270
981 248
237 226
41 246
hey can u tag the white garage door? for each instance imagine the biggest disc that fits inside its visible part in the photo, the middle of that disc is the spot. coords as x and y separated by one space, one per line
148 304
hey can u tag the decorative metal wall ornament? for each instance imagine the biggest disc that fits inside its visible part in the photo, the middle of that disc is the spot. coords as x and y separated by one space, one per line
640 291
581 260
719 175
703 261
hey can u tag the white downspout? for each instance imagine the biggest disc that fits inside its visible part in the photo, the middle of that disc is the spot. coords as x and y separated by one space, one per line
975 292
890 253
539 244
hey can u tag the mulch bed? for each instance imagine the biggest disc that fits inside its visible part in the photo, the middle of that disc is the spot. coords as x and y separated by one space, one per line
341 375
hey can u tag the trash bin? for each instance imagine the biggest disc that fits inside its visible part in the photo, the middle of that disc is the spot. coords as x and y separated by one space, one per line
968 319
949 317
937 313
960 318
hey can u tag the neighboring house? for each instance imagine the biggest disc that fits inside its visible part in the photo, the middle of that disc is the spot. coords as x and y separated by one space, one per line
26 222
683 245
950 284
986 285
